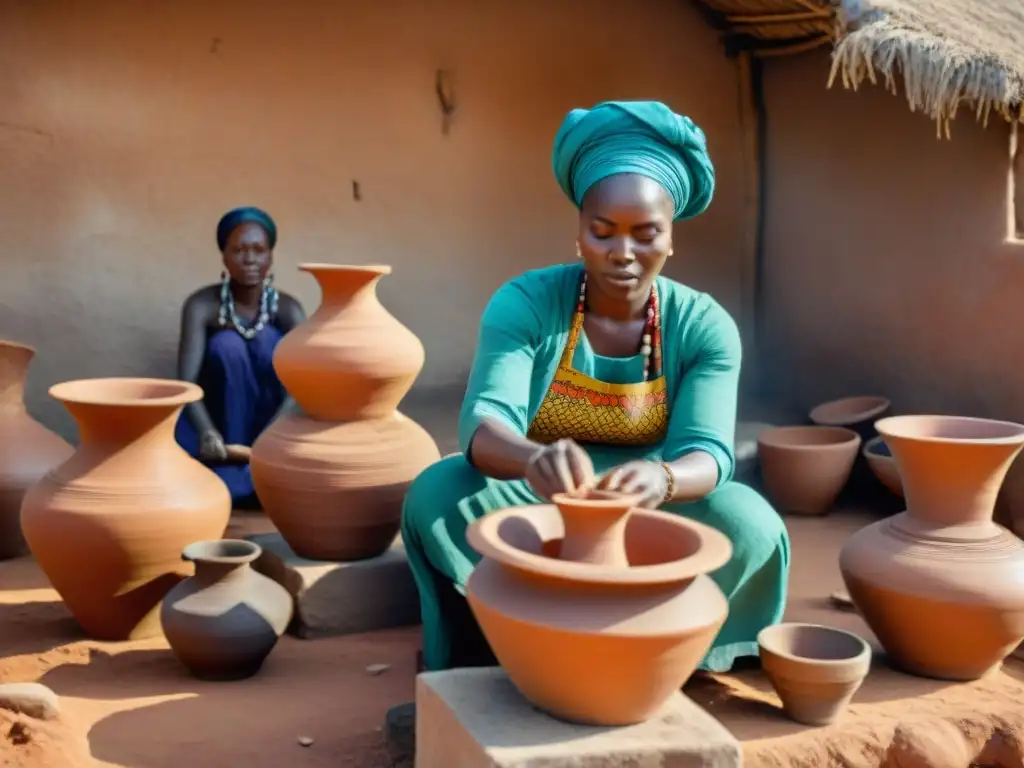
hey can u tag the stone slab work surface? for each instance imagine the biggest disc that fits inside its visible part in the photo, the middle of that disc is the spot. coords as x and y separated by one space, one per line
341 598
475 718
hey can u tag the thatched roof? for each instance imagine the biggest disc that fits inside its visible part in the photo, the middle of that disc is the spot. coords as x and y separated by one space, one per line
947 53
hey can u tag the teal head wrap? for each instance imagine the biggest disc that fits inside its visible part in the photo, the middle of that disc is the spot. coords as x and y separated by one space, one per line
235 218
643 137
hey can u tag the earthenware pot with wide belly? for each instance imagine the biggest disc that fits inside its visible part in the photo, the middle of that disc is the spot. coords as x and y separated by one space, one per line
107 526
28 450
942 585
606 637
224 621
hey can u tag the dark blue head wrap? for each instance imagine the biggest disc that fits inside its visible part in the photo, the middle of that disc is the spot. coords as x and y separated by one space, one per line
643 137
233 219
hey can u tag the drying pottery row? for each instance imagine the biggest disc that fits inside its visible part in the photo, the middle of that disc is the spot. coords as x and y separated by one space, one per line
333 479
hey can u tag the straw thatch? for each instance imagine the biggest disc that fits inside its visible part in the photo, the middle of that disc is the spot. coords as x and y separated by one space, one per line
947 53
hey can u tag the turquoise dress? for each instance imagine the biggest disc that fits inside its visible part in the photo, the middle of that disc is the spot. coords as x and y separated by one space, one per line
522 335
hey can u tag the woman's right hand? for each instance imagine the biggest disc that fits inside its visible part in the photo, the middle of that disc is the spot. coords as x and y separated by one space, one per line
211 447
560 467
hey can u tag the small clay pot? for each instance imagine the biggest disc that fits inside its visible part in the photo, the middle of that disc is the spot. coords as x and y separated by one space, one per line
223 622
815 670
852 412
879 458
595 526
805 468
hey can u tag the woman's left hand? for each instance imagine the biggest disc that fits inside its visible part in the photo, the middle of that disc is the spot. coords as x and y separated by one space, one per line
646 478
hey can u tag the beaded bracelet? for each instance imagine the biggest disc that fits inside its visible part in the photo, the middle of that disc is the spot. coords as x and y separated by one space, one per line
670 485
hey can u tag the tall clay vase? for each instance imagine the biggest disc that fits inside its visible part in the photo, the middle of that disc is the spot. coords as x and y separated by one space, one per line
27 449
333 480
941 585
108 525
223 622
607 637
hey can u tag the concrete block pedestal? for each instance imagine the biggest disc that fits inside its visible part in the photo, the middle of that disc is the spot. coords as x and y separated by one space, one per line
341 598
475 718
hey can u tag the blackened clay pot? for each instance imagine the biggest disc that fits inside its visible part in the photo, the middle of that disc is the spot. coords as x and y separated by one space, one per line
223 622
603 638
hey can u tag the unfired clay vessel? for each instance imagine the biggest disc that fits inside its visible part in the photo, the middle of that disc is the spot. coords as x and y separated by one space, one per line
27 449
223 622
108 525
851 412
941 585
604 639
815 670
883 465
805 468
333 480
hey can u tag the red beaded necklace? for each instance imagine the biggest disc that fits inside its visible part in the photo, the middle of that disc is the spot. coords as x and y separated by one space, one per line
650 341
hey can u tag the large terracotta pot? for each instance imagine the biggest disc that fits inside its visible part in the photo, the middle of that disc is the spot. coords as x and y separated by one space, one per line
805 468
27 449
108 525
604 639
333 481
352 359
223 622
941 585
335 490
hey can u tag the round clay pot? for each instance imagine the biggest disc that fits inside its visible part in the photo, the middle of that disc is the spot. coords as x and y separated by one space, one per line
805 468
28 450
879 458
941 585
815 670
223 622
352 359
335 491
593 643
852 412
108 525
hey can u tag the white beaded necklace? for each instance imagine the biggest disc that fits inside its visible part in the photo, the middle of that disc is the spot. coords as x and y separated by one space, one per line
268 308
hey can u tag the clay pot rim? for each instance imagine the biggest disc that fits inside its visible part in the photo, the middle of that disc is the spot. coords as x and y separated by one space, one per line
849 438
901 427
768 641
320 266
870 449
714 551
206 551
96 392
873 405
613 498
6 343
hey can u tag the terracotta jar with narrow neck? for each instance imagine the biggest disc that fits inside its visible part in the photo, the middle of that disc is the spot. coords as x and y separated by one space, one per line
28 450
942 585
598 611
333 478
108 525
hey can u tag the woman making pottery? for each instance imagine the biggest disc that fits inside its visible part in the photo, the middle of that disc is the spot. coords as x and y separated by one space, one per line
228 334
603 371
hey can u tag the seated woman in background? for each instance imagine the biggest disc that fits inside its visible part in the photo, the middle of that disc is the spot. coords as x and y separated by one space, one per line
607 371
228 334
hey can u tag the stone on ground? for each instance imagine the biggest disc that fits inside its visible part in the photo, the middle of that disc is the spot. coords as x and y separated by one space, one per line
475 718
341 598
400 735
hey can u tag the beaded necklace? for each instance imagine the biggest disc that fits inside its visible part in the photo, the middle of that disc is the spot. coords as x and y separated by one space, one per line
268 308
650 341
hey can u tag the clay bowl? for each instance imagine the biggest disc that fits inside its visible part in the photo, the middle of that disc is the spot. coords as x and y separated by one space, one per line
853 412
597 644
815 670
805 468
880 459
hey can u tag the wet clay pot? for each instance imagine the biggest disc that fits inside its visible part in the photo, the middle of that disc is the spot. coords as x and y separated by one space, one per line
815 670
333 480
223 622
805 468
352 359
941 585
883 465
108 525
335 490
597 611
27 449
